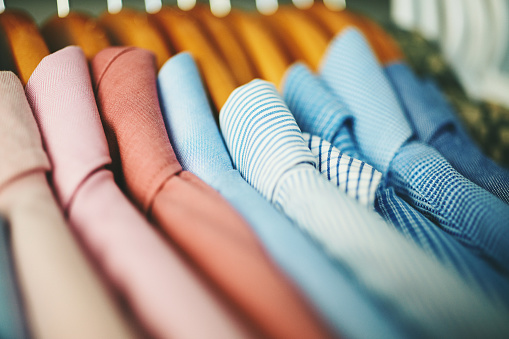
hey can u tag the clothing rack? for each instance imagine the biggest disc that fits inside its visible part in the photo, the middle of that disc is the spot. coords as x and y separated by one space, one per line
41 10
293 173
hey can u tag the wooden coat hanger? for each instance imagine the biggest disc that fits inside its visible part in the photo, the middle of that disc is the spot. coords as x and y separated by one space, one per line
264 49
126 27
336 22
71 28
21 43
185 34
304 39
227 44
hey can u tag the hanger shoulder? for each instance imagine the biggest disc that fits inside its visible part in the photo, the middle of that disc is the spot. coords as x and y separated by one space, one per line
306 40
75 29
265 51
184 33
227 45
384 45
131 28
336 22
25 43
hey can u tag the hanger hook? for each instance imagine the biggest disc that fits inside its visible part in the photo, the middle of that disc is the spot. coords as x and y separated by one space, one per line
220 8
267 7
153 6
62 8
114 6
336 5
186 5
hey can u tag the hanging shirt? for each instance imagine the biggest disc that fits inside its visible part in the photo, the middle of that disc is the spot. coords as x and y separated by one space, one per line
12 320
166 296
55 278
417 172
436 124
200 148
268 148
196 218
318 111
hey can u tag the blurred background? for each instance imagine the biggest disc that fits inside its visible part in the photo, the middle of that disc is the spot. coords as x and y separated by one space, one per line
41 10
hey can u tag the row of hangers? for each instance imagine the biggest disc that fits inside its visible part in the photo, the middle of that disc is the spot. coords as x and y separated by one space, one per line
473 36
231 47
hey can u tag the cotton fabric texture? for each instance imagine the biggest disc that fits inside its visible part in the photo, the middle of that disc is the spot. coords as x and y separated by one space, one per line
267 146
417 172
195 216
158 286
12 319
311 103
436 124
200 148
62 295
357 179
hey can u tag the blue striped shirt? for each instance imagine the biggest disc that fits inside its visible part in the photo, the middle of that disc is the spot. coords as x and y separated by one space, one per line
311 102
417 172
200 148
267 147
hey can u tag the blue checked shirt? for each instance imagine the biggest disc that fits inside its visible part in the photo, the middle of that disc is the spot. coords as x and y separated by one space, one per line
311 103
200 148
435 124
267 147
417 172
417 228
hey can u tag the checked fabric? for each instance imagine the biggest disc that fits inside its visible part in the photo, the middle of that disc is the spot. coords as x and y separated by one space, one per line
200 149
436 124
267 147
311 102
417 172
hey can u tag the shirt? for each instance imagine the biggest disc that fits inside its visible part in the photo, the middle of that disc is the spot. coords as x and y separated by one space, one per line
54 276
357 179
268 148
162 291
200 149
417 172
436 124
312 104
195 217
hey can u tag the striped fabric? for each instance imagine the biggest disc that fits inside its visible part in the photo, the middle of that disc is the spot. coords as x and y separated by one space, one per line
417 172
417 228
317 111
267 147
200 148
354 177
310 101
435 123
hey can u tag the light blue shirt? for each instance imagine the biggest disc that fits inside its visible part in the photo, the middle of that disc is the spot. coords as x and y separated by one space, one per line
417 172
311 103
268 148
198 144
